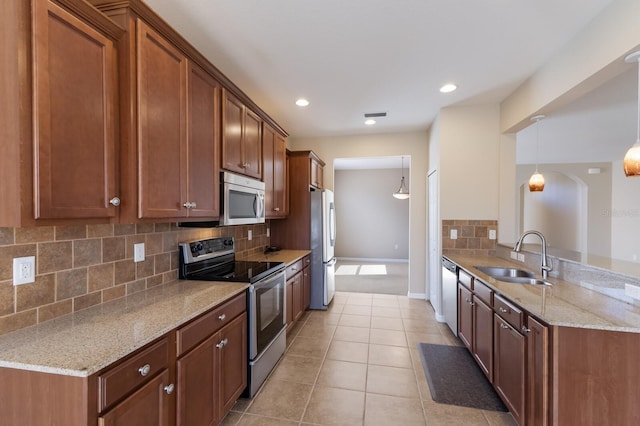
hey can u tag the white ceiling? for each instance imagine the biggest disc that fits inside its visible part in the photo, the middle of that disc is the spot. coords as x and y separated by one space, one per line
351 57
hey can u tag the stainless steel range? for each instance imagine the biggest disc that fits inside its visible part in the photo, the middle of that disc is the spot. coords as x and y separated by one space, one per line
214 260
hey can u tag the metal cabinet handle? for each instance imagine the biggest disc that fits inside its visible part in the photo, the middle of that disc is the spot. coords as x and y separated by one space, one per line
115 201
503 310
169 389
276 209
503 326
294 269
526 330
222 343
190 205
222 317
144 370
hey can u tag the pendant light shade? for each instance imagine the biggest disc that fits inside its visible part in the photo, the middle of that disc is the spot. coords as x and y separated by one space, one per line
631 161
402 193
536 182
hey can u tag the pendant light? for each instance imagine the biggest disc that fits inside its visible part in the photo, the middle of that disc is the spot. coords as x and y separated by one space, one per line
631 161
402 193
536 181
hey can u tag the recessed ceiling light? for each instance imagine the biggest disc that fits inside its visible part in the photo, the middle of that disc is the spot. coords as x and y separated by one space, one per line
302 102
370 122
448 88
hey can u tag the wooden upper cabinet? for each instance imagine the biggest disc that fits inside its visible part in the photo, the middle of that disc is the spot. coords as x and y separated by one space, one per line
241 138
203 143
161 82
274 155
75 110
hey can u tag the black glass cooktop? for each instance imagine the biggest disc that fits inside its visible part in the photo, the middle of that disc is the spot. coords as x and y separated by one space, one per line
238 271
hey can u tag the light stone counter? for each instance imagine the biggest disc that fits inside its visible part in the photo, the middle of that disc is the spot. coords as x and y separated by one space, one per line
84 342
286 256
562 304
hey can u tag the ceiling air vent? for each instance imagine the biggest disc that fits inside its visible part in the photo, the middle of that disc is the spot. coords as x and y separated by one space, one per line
375 114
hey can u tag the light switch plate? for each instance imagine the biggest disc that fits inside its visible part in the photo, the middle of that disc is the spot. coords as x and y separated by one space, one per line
514 255
454 234
268 232
249 235
24 270
492 234
521 257
138 252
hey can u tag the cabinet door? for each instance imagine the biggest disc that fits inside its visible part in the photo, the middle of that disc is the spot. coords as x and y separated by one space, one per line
289 302
465 316
232 132
147 406
297 296
252 144
74 111
203 143
280 175
306 287
510 367
161 81
233 363
198 392
483 336
538 373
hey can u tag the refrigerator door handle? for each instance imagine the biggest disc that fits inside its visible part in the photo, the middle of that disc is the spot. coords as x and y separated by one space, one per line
332 262
332 224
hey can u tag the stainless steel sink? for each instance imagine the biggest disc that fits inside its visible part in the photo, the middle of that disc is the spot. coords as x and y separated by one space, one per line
523 280
512 275
498 272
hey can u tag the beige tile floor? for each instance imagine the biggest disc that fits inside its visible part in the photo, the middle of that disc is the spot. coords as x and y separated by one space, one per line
358 364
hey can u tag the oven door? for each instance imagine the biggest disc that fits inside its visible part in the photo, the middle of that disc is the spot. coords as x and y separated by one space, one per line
266 310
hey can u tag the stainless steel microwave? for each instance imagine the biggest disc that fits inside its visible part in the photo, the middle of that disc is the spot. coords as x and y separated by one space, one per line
242 200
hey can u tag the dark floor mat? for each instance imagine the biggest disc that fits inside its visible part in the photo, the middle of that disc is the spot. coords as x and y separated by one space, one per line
455 378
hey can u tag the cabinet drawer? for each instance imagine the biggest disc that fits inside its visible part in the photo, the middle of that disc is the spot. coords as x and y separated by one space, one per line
508 312
483 292
465 279
294 268
209 323
128 375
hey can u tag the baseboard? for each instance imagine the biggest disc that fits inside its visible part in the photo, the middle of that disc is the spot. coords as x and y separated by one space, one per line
359 259
422 296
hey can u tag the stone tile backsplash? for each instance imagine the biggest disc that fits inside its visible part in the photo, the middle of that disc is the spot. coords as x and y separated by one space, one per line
473 237
82 266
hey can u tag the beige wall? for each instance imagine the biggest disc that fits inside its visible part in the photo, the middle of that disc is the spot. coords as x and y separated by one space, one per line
469 162
364 202
411 144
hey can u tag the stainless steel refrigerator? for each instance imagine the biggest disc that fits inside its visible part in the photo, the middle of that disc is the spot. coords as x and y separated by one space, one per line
323 241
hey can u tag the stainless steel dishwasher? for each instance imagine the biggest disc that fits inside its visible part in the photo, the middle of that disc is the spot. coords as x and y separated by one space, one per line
450 294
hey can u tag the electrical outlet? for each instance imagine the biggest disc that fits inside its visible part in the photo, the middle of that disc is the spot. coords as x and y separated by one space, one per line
521 257
24 270
514 255
492 234
454 234
268 232
249 235
138 252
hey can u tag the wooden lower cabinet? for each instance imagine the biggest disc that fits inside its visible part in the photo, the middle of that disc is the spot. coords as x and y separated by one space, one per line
298 290
149 405
537 373
509 377
483 336
212 376
306 283
465 316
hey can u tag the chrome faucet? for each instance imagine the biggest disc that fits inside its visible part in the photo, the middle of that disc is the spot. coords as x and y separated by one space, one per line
545 265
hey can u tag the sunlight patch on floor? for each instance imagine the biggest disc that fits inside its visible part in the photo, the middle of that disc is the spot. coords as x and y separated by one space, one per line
373 270
347 270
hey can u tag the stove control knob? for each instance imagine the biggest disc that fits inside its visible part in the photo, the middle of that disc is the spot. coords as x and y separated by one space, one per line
199 246
228 242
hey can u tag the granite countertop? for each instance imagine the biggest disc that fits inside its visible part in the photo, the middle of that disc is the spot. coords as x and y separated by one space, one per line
562 304
284 255
85 342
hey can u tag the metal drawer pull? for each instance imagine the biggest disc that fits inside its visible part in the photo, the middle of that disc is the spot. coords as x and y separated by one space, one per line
169 389
222 343
222 317
506 327
503 310
144 370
